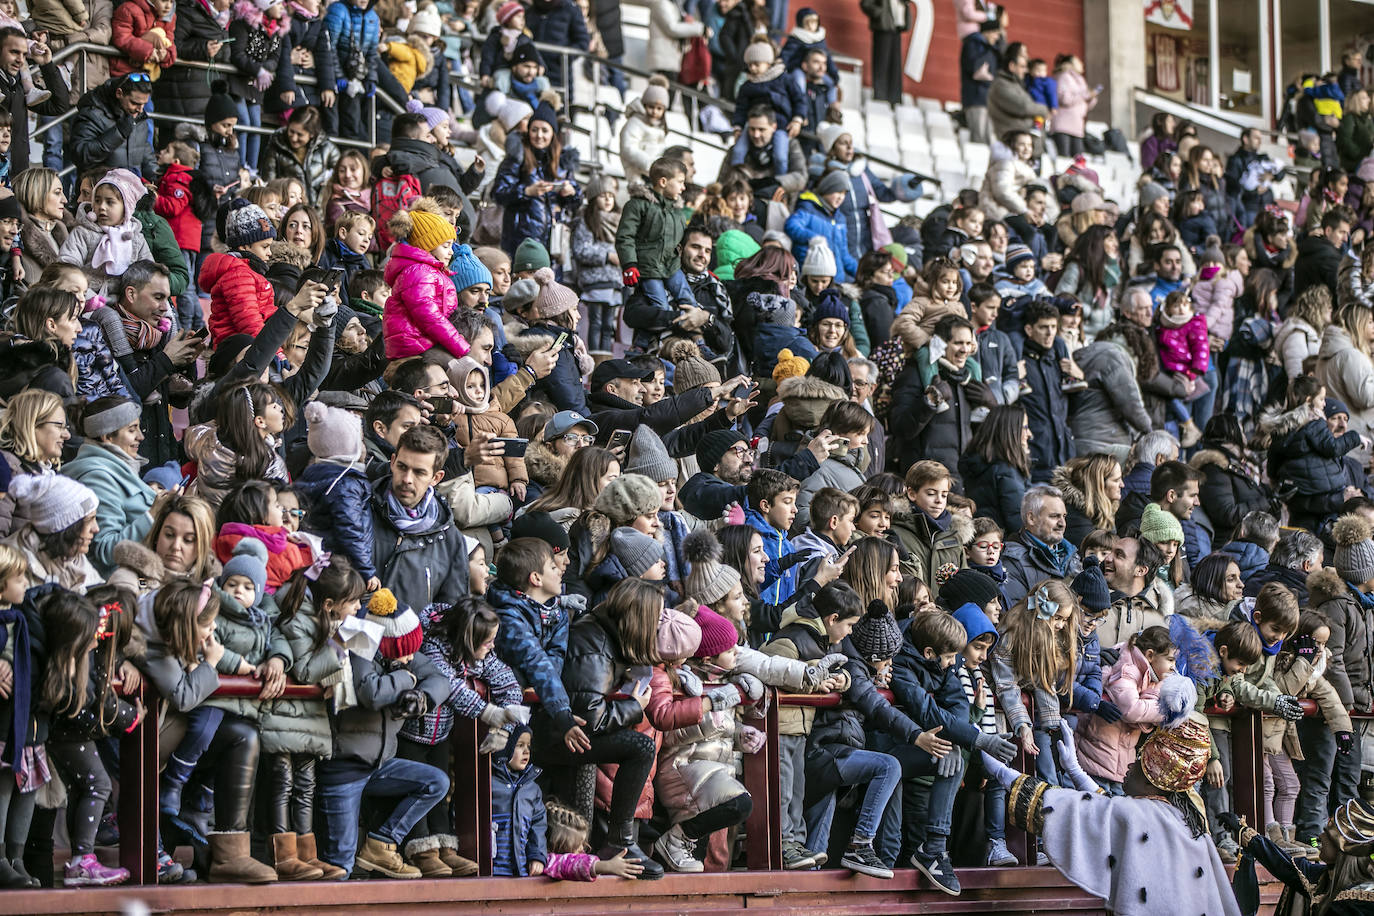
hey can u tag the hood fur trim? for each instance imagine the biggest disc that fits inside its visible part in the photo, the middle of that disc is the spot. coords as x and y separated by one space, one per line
1276 422
962 528
544 465
1210 457
1323 585
526 340
1074 498
141 559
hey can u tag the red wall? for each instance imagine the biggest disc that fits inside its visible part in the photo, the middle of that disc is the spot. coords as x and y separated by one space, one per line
1048 27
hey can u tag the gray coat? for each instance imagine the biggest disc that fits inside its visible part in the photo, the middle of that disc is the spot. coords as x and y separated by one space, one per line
182 689
844 472
302 726
1109 414
247 636
420 567
366 734
1010 107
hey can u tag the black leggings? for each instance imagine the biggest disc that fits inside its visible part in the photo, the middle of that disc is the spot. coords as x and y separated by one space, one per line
16 814
88 789
291 807
634 752
437 822
233 759
726 814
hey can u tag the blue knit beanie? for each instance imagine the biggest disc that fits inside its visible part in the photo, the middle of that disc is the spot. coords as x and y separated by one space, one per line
466 269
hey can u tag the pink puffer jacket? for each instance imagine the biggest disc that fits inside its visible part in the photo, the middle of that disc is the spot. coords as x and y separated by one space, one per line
422 297
1215 299
1184 349
1107 749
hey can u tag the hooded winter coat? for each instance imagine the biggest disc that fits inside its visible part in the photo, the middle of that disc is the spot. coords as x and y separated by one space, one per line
1352 638
813 218
1107 749
339 495
184 90
518 818
641 142
1294 342
1348 375
921 431
241 299
1305 459
422 297
1004 188
533 640
1304 681
308 721
254 50
279 160
1109 414
696 765
931 545
649 236
420 566
1228 490
174 205
408 156
131 21
931 696
104 135
79 248
1010 107
1214 300
124 499
1184 348
1046 407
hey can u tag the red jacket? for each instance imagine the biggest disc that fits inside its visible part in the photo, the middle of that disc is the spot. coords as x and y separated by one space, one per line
284 556
174 205
132 20
241 299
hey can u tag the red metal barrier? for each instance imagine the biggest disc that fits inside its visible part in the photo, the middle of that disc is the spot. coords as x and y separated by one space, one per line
471 780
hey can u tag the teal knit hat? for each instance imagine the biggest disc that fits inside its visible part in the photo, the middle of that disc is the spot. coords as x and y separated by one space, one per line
466 269
732 247
530 255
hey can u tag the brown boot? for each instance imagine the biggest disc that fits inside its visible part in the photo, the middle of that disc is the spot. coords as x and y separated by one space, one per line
381 857
289 865
230 862
306 852
448 852
423 853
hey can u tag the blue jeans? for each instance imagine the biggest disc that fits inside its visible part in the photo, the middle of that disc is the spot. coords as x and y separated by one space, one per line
780 143
341 788
927 810
1201 406
1110 786
249 115
994 800
879 813
657 290
777 17
1178 411
1327 778
189 316
1044 763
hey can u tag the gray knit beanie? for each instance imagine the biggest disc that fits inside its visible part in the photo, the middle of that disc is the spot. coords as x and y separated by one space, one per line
636 551
649 457
708 579
113 418
1354 549
628 497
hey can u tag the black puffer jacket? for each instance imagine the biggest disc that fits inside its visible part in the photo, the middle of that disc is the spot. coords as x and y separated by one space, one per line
921 431
1046 407
420 567
105 135
278 160
1228 491
186 90
593 670
314 37
1306 460
848 725
253 50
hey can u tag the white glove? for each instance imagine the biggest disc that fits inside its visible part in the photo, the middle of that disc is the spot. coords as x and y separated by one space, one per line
999 771
493 715
262 80
516 714
1069 765
354 88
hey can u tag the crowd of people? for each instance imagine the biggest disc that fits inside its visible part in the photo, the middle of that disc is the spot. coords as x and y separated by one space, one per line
428 435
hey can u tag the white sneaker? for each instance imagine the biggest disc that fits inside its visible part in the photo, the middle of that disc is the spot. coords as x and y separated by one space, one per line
36 96
673 850
999 856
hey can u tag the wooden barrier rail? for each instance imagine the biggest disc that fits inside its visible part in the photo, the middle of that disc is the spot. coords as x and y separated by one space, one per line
471 781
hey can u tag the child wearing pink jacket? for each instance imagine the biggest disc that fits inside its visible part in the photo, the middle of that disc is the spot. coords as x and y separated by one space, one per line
1183 350
1107 749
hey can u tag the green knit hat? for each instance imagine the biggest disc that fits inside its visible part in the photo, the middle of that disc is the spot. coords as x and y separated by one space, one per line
1159 526
530 255
732 247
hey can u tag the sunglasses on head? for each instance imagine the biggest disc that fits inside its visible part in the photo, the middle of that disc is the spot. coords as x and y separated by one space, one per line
138 79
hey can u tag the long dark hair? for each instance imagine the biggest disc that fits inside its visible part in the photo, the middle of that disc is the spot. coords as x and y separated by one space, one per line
338 582
70 620
554 151
1209 577
236 430
734 543
998 438
1090 254
465 626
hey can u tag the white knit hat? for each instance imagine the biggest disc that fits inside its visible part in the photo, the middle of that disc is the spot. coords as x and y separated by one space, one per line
425 22
334 434
829 133
820 260
51 502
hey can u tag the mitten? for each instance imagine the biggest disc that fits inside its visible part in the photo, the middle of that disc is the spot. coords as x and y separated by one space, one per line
833 660
723 697
630 276
997 746
1345 743
1108 711
689 682
516 714
750 685
495 740
1288 707
262 80
751 740
948 765
493 715
354 88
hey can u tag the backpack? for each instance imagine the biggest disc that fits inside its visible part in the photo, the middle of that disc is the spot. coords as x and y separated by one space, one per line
389 197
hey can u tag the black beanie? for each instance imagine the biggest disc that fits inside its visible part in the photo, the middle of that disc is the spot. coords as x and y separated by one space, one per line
713 447
968 586
221 104
1091 587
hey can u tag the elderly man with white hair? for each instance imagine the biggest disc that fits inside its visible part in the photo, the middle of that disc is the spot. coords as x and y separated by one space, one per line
1038 551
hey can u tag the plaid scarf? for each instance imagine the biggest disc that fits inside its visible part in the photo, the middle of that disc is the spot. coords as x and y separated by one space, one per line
143 335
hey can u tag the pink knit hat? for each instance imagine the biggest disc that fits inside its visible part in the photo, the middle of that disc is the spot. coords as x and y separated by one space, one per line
128 186
717 634
508 9
678 635
554 298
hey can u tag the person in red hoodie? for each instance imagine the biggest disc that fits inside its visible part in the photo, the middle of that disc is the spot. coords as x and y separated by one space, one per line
144 30
241 299
178 161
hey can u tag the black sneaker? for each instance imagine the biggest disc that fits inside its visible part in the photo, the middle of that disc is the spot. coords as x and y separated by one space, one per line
861 858
938 869
796 857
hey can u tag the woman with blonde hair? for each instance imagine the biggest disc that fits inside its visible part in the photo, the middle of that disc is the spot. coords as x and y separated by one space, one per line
33 429
874 572
44 207
179 544
1299 336
1344 366
1092 493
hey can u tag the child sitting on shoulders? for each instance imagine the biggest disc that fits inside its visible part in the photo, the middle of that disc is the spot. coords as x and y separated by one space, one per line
1183 350
347 250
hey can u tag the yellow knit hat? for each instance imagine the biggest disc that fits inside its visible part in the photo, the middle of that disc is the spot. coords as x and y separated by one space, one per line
428 231
789 366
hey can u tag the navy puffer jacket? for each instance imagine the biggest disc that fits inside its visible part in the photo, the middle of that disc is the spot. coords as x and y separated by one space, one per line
339 498
527 217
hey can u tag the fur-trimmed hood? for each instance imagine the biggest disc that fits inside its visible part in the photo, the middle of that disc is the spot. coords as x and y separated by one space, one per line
805 399
1323 585
959 525
1074 498
1276 422
141 559
1210 457
544 465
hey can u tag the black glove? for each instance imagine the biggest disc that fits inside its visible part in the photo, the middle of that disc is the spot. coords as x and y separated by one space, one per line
1108 711
412 704
1345 743
1108 657
1305 647
1230 821
1288 707
125 125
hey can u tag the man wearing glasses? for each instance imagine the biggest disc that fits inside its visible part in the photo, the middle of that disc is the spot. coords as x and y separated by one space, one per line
14 57
863 374
726 459
110 127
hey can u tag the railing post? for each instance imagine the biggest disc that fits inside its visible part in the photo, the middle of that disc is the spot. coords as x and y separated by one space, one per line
471 792
1247 766
138 780
762 780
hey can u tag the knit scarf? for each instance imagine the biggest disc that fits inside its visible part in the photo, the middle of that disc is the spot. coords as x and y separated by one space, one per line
807 36
13 755
508 39
407 521
115 250
365 307
143 335
772 73
948 372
